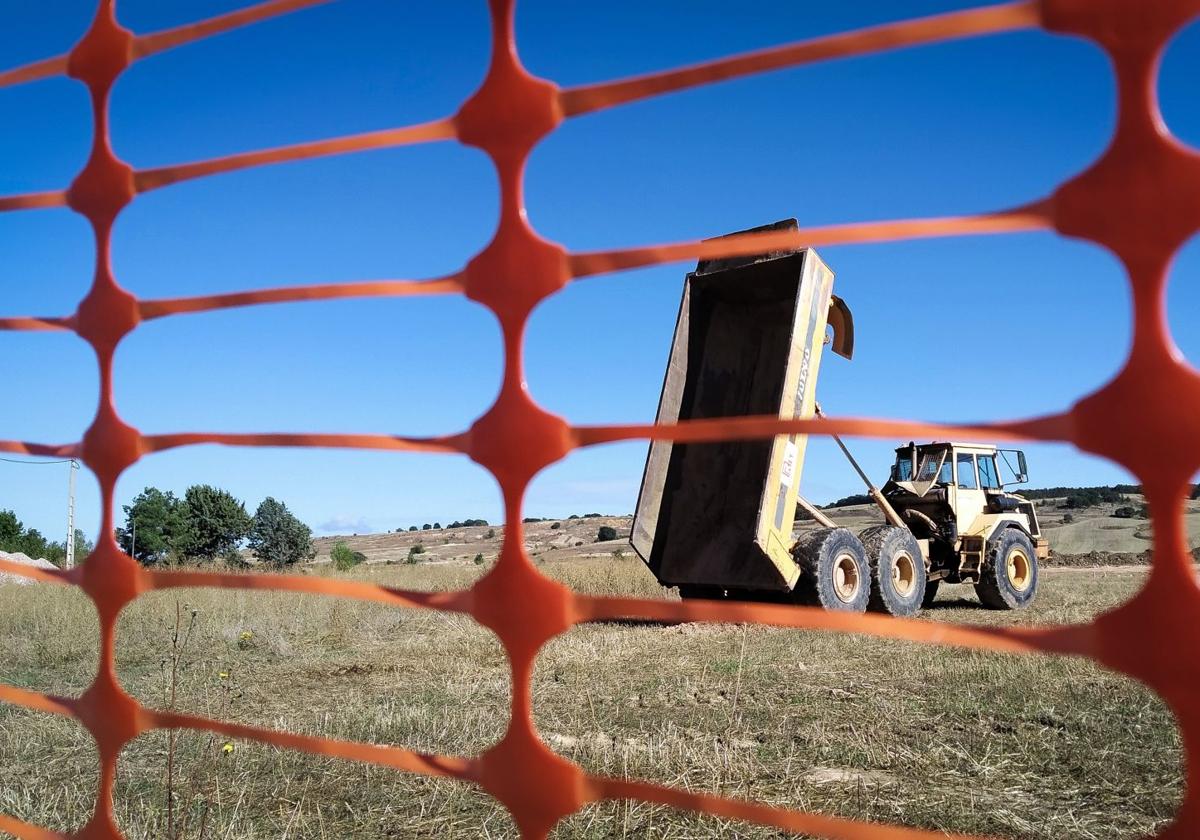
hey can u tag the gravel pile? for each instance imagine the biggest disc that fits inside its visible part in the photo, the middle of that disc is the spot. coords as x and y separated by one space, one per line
25 560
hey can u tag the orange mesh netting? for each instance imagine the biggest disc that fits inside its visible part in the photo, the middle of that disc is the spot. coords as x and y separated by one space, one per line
1141 200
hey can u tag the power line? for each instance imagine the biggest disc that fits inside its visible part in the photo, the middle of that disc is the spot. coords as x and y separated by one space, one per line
36 463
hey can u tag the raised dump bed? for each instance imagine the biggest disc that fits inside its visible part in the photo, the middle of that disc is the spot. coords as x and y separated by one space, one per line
748 341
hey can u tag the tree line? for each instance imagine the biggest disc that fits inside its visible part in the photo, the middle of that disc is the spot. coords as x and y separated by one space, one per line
208 524
15 537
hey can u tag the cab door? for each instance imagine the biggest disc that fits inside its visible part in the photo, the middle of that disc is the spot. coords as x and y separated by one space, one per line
971 499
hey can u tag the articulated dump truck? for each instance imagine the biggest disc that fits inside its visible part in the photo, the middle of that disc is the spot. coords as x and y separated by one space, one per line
716 520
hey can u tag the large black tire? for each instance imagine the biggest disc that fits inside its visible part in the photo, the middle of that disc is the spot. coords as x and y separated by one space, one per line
898 573
834 572
1009 577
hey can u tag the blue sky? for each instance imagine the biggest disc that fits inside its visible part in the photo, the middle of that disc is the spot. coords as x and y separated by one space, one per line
947 129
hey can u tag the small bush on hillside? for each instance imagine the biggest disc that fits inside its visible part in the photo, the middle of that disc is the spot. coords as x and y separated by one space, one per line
478 559
490 535
1068 518
606 533
345 558
425 527
1129 513
555 526
437 525
854 499
1091 497
592 515
414 554
412 527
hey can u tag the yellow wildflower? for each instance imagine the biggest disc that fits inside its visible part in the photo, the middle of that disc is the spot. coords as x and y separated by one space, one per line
227 747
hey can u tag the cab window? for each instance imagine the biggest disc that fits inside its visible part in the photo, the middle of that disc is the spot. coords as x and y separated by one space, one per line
946 475
966 472
989 478
902 471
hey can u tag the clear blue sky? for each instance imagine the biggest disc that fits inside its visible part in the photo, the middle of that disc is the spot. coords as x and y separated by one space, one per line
951 330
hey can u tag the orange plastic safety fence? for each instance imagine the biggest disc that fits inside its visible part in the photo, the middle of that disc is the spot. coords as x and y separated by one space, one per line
1141 200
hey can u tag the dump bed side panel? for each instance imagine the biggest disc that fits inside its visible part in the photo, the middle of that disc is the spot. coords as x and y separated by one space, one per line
778 504
657 459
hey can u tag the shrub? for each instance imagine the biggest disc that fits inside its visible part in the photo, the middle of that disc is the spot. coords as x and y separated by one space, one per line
425 527
414 553
1125 513
555 526
1068 518
478 559
592 515
344 558
437 525
606 533
412 527
490 535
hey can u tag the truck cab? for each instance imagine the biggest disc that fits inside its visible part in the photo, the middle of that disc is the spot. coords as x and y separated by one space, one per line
953 497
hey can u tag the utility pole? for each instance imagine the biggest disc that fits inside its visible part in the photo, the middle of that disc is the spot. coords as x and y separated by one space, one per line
71 469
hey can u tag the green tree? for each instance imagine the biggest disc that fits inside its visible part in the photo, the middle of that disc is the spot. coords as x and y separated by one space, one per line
10 530
156 526
216 523
345 558
277 537
15 537
606 533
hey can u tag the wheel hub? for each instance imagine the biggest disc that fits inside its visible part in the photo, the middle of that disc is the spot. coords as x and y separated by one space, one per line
845 578
1019 570
904 574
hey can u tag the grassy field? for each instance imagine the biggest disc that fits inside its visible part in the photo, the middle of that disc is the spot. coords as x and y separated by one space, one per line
1029 747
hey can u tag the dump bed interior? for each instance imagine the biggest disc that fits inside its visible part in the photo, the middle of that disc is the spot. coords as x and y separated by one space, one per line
747 341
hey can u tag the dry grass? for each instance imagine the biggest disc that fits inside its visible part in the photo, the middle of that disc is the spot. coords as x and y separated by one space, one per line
963 741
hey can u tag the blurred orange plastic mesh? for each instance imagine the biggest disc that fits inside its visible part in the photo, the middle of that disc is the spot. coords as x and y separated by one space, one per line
1141 200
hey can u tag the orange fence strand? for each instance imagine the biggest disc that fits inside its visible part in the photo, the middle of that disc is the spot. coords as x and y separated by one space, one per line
1141 200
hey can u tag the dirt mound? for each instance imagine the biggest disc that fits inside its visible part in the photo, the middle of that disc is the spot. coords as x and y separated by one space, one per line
1099 558
24 560
1107 558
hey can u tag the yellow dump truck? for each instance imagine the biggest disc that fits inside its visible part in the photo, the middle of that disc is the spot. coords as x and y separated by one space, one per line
716 520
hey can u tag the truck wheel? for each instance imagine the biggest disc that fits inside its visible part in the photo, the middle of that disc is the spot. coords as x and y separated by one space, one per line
897 570
931 590
1010 575
834 572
